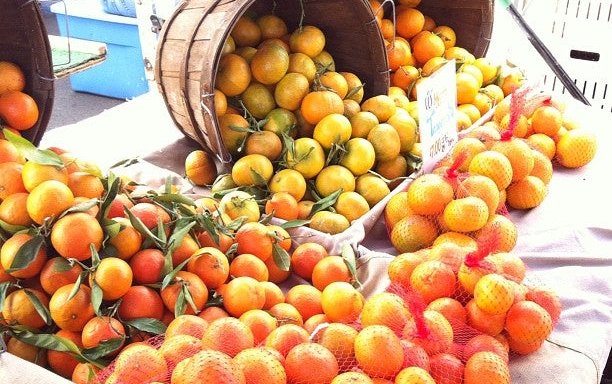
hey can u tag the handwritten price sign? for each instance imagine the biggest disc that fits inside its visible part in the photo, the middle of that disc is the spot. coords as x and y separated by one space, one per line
437 100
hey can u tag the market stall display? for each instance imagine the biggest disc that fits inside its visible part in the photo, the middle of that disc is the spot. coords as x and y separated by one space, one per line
268 303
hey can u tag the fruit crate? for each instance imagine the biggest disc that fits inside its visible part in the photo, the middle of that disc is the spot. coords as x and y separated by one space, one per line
191 42
573 31
24 41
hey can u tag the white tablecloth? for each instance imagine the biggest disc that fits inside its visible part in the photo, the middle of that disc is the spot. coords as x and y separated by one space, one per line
566 242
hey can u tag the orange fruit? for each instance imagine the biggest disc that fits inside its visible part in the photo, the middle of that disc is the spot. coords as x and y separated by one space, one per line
519 154
260 322
526 193
450 308
398 53
200 168
12 77
259 365
576 148
256 239
285 337
332 129
439 337
413 233
243 294
113 276
246 32
413 375
85 184
385 308
26 351
10 179
286 313
84 373
382 106
501 227
140 363
429 194
401 267
233 138
228 335
494 165
427 45
484 343
9 251
341 302
271 26
282 205
101 328
467 88
409 22
274 294
8 152
178 348
190 325
333 178
249 265
18 110
328 270
318 104
322 364
147 266
185 281
233 75
305 257
483 322
486 367
375 341
306 299
48 200
308 40
141 302
494 294
73 314
211 266
237 204
275 274
339 339
126 242
547 120
58 272
73 234
291 89
352 377
482 187
528 323
19 309
432 280
252 169
548 300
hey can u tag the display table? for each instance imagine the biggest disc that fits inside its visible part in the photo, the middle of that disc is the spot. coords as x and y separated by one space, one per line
566 242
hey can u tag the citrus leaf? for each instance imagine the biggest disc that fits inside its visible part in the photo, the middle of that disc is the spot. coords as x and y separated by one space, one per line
113 184
112 228
281 257
103 349
179 306
161 232
353 91
95 257
148 325
140 227
30 152
81 207
259 179
40 308
325 202
10 228
96 296
61 265
348 255
77 284
26 254
168 185
189 299
294 224
46 341
3 290
90 168
170 276
125 162
181 229
174 198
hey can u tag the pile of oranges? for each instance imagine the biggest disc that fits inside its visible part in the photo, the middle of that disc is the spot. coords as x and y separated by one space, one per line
18 110
416 47
300 130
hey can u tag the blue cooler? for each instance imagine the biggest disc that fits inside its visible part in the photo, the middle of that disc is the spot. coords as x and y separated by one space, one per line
122 74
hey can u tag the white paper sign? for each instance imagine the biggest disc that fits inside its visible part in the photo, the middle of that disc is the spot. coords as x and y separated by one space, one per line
437 102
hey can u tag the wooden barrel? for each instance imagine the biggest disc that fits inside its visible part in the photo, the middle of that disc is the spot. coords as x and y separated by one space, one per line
472 21
24 41
191 41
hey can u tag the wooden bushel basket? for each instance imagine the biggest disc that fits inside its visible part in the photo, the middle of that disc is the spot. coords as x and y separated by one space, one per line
192 38
472 21
24 41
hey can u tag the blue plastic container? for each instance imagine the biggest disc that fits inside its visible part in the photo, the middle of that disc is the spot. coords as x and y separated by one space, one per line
122 74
